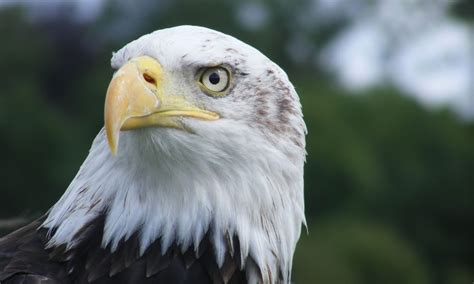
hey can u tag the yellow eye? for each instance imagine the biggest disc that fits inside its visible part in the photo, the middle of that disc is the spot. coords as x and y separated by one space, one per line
215 81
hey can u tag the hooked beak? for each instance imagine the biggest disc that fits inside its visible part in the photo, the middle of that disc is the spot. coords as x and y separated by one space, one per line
136 99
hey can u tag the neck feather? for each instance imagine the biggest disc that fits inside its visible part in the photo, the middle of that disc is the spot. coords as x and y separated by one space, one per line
176 188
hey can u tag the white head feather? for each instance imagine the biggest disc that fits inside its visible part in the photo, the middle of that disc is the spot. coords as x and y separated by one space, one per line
241 174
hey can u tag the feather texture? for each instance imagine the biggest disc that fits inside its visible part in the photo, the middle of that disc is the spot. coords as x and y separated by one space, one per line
25 259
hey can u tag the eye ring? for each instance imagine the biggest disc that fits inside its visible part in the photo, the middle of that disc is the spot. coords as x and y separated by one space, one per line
215 81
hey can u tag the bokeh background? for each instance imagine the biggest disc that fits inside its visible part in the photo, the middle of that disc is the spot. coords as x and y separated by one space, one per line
387 89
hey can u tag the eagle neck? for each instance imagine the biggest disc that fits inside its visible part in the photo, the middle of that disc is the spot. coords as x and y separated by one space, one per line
184 196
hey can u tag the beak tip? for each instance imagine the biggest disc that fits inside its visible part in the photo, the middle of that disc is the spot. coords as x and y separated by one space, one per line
113 145
113 151
112 141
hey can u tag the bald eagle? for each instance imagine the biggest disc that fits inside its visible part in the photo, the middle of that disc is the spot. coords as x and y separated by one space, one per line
196 177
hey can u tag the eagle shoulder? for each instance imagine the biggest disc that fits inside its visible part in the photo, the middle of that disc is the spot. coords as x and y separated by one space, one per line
23 258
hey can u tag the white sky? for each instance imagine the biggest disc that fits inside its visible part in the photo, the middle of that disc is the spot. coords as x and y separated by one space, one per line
413 45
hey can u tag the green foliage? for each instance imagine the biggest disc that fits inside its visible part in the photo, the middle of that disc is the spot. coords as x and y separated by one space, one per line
382 157
348 252
42 145
463 9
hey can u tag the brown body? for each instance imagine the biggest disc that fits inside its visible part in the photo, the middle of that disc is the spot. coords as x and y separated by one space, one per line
24 259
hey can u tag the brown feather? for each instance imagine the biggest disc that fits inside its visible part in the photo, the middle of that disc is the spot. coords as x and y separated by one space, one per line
24 259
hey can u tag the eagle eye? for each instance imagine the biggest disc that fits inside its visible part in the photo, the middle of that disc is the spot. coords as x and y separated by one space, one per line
215 81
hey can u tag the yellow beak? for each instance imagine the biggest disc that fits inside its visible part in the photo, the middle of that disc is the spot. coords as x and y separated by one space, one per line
137 98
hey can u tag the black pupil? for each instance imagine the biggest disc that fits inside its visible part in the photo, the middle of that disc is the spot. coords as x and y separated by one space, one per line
214 78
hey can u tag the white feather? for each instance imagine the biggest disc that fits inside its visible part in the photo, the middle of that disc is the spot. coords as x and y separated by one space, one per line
228 176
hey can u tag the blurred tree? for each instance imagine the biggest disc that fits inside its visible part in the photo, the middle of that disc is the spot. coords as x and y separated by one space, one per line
43 143
384 158
349 251
463 9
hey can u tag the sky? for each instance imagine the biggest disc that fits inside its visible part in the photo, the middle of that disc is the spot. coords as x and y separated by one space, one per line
414 45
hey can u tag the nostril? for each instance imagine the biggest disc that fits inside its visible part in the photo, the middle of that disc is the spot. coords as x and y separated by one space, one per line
149 79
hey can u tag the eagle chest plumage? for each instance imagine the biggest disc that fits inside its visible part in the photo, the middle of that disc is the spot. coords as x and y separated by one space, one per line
24 259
